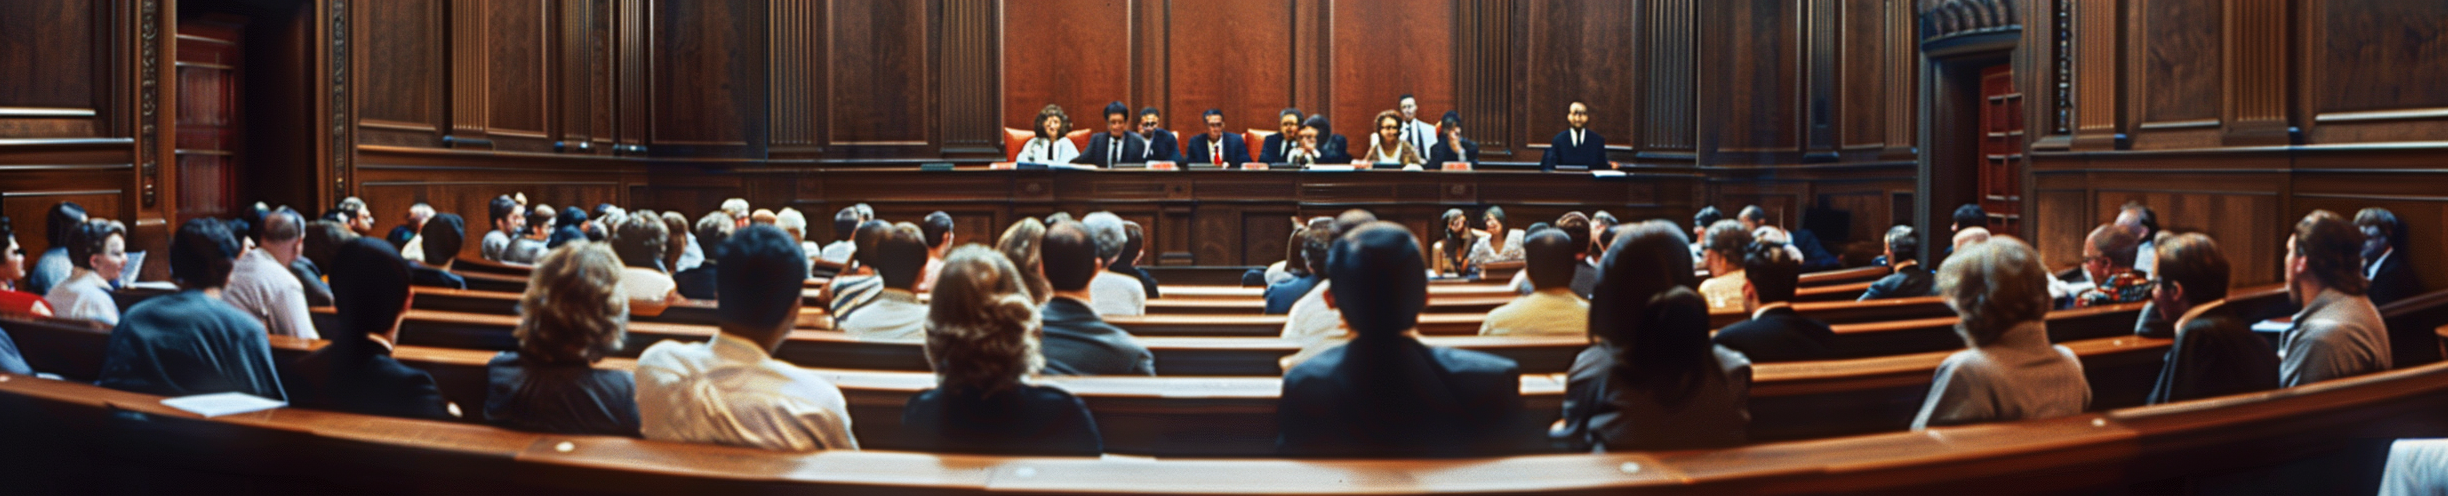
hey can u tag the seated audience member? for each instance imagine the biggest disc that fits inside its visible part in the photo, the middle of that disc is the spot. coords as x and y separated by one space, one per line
1385 394
677 243
1497 244
936 232
1803 242
12 361
699 283
1281 270
795 224
1707 216
736 209
2109 277
191 342
1387 149
1450 145
529 246
442 238
1308 248
65 220
1775 332
1551 308
1968 217
1968 237
1451 250
1117 145
1077 341
1313 322
1048 146
509 223
2216 352
1654 381
14 301
770 218
2010 372
261 285
1316 143
2391 278
849 293
641 242
1723 255
1217 146
730 390
982 340
570 225
323 238
356 372
1903 255
1116 294
357 215
1162 145
404 236
1019 246
2339 332
571 317
845 223
1577 146
899 259
2144 223
99 249
1278 147
1134 250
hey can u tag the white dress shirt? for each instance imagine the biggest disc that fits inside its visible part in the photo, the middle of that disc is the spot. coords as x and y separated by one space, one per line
84 296
1314 325
1724 291
1551 312
1115 294
839 252
644 284
728 391
1421 135
261 286
893 315
1487 250
1045 151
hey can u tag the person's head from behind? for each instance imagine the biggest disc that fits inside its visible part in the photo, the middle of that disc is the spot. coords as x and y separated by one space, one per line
201 255
737 208
418 214
1316 131
1578 227
323 240
1051 123
758 275
2139 218
2109 250
937 228
540 220
1352 219
506 216
899 257
1316 242
1722 249
1707 216
675 239
982 327
369 286
768 217
792 223
1903 244
65 219
1070 257
2381 232
1111 237
2324 253
571 217
1381 281
1134 244
1644 307
1970 215
1019 245
284 232
864 242
443 238
2191 272
1770 274
641 241
573 312
1288 123
713 232
1548 256
845 223
1994 286
1752 217
100 245
1117 118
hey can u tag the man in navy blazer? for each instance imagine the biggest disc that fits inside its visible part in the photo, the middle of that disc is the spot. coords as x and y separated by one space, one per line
1449 137
1161 144
1577 146
1277 148
1204 148
1117 145
1385 394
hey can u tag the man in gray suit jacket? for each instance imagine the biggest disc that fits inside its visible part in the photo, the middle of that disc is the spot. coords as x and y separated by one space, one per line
2339 333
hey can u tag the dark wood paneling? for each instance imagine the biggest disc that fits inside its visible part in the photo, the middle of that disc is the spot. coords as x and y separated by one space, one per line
1865 88
1669 86
883 60
709 77
53 71
517 54
1754 119
400 86
1073 53
1229 56
2177 64
1383 50
2365 59
1578 51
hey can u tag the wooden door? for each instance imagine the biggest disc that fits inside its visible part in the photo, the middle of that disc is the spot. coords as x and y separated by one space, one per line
209 130
2001 148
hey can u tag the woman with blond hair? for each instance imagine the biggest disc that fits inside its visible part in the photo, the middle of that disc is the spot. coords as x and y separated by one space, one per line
982 337
571 317
1999 292
1019 245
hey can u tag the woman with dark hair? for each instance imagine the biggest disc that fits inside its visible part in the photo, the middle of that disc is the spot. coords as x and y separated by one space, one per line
1387 149
1654 381
642 241
982 336
1049 147
64 219
13 269
99 249
1498 244
1318 144
356 372
572 316
1452 252
1019 245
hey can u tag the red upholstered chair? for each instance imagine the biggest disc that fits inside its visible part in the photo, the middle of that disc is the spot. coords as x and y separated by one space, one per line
1256 139
1014 140
1079 139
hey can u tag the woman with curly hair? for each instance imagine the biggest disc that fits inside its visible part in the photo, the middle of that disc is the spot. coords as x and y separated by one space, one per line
982 339
571 317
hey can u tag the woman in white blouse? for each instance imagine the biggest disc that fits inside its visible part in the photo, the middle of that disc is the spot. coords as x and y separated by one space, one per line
99 250
1387 146
1049 147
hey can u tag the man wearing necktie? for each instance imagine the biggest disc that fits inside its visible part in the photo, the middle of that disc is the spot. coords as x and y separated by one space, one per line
1419 133
1117 145
1577 147
1217 147
1160 143
1277 149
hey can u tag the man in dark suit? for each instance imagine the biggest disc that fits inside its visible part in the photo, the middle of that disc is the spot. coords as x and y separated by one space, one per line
2217 353
1077 341
1450 145
1161 144
356 372
1117 145
1910 278
2391 278
1217 147
1318 144
1775 332
1577 147
443 235
1385 394
1277 148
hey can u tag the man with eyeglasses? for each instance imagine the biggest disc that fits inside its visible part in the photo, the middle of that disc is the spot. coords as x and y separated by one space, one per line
2108 274
1216 147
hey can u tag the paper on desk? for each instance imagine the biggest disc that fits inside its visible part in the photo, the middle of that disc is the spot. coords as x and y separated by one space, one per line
218 404
1606 173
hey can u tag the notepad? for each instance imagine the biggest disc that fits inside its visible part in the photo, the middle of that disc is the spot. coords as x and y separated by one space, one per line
218 404
1606 173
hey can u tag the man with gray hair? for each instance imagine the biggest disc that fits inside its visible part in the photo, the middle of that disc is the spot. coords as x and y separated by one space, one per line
1112 294
261 285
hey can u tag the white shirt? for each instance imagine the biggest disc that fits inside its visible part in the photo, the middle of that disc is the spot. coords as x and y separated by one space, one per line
1113 294
1485 251
893 315
1551 312
690 254
644 284
261 286
1724 291
1314 325
1421 135
84 296
839 252
2372 270
728 391
1045 151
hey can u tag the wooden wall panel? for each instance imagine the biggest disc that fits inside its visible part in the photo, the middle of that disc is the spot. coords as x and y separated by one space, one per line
709 77
401 86
2372 70
518 45
1753 61
1579 51
1670 79
52 72
1073 53
883 65
1232 56
2177 63
1865 88
1383 50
